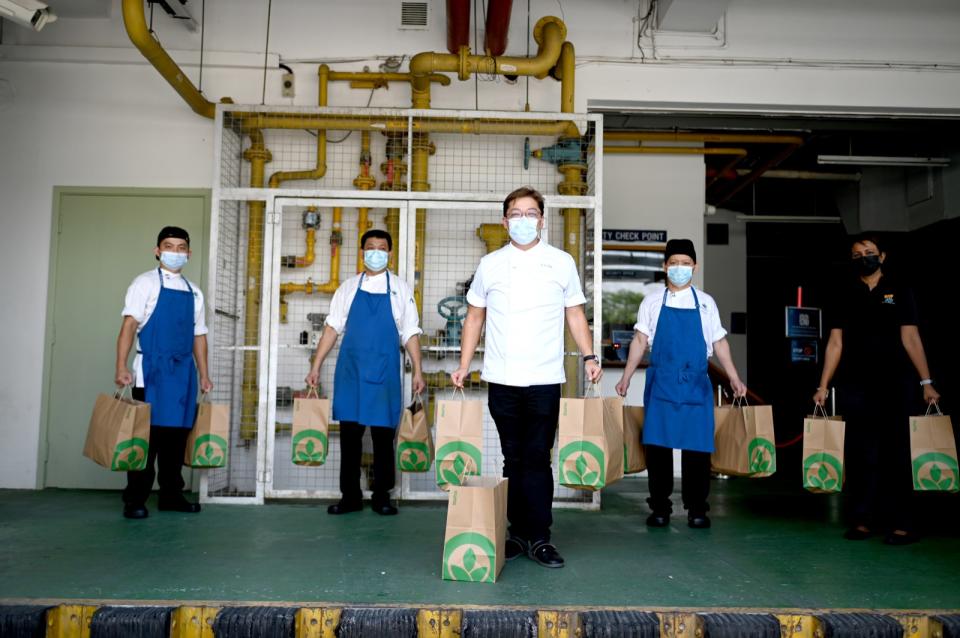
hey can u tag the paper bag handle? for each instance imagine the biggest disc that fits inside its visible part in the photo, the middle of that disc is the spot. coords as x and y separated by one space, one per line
453 393
595 387
123 393
933 405
313 389
823 412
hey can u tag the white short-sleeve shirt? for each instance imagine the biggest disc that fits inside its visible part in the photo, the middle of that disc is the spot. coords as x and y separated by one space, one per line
402 304
141 301
649 314
526 294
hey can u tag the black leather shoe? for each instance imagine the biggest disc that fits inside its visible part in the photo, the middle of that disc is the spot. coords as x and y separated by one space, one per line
658 520
546 554
515 548
904 538
857 533
178 505
383 508
698 521
135 511
344 507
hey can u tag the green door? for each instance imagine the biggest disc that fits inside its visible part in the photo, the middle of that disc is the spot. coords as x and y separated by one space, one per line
102 239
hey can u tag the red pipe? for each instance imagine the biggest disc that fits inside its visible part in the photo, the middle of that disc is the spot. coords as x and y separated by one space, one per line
498 24
458 24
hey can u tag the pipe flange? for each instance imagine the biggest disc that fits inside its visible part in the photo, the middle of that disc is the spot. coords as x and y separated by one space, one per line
254 153
574 188
541 25
364 183
464 68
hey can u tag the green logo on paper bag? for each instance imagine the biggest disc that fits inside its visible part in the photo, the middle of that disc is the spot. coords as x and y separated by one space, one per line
469 557
588 467
313 450
763 456
936 471
413 456
823 471
130 455
210 450
452 462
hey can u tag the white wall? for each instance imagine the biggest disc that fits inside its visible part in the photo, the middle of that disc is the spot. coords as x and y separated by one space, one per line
94 114
726 279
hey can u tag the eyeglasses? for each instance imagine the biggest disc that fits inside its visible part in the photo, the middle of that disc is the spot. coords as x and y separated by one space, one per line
516 213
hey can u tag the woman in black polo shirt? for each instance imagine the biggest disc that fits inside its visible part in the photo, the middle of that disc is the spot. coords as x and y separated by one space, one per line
873 324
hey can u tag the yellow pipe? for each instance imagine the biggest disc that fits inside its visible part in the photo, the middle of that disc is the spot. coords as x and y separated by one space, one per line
673 150
494 236
258 156
336 240
251 121
392 222
136 25
565 72
377 80
310 255
736 138
320 169
419 168
549 33
364 181
572 184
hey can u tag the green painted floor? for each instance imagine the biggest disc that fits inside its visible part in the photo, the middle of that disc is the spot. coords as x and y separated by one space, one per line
770 547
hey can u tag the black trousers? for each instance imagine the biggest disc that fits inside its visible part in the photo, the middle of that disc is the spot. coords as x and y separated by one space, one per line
695 479
526 419
877 465
351 453
166 453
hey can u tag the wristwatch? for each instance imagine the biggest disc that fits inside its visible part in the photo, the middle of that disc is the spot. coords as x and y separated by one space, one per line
926 381
591 357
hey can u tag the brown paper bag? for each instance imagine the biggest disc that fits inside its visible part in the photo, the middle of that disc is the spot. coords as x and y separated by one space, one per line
591 442
744 441
207 444
476 532
933 451
119 434
823 452
414 443
459 440
634 459
311 424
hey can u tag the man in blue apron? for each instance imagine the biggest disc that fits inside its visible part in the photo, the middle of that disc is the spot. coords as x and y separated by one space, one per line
376 313
164 312
677 396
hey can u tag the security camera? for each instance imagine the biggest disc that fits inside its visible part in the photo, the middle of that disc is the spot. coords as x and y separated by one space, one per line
27 13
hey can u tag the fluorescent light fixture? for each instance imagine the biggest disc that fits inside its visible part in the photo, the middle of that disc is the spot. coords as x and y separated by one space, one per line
882 160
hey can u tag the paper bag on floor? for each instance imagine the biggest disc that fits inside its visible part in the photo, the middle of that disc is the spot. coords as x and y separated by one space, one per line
311 425
459 440
119 434
744 441
207 443
476 531
823 452
933 452
634 459
591 442
414 443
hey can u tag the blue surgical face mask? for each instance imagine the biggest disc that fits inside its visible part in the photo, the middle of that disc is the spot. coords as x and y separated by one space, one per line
523 230
173 261
680 275
375 259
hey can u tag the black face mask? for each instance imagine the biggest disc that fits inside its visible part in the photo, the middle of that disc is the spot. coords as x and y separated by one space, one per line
867 265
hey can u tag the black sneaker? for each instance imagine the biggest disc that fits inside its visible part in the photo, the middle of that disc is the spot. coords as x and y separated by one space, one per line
858 533
903 538
135 511
698 521
515 547
345 507
658 519
383 508
546 554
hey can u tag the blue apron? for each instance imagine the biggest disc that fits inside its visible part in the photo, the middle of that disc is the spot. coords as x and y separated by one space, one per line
169 373
677 397
366 383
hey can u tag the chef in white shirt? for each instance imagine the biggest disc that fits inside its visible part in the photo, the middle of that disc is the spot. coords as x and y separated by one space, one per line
525 292
682 326
376 313
164 313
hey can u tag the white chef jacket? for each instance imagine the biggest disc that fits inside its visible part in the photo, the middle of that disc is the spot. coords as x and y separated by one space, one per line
526 294
402 304
141 299
649 313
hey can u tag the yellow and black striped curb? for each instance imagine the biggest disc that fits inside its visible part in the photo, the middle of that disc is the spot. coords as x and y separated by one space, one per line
72 620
